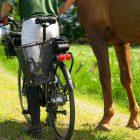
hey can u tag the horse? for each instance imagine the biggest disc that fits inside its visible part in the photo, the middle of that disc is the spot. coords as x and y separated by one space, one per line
116 22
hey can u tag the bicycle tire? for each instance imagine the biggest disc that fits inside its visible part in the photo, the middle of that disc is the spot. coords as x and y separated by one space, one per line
69 132
22 95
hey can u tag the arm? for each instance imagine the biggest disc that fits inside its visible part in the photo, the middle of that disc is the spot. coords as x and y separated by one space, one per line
65 6
6 9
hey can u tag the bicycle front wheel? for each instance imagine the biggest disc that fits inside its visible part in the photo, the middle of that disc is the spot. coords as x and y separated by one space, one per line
62 116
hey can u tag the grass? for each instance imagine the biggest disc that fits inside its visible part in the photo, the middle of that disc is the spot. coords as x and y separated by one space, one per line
89 105
85 71
11 65
86 78
12 123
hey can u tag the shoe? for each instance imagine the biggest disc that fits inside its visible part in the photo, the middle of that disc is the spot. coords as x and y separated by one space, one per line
34 132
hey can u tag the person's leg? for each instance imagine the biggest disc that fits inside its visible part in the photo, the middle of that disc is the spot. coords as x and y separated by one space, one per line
32 94
52 32
30 34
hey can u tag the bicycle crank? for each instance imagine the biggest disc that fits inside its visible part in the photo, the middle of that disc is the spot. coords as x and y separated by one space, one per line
58 100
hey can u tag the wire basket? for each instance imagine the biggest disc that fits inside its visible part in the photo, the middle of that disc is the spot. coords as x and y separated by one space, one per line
35 61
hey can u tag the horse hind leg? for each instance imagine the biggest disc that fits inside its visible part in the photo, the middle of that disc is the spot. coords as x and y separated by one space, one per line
123 56
99 46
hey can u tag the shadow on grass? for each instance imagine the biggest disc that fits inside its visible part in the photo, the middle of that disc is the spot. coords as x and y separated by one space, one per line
15 130
89 135
89 132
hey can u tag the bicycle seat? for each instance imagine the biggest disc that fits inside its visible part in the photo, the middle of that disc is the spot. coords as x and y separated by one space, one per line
43 20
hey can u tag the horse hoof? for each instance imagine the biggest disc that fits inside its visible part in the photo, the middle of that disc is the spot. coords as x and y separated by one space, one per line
133 126
103 127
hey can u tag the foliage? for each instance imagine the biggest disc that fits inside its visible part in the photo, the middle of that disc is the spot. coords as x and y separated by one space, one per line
71 28
15 12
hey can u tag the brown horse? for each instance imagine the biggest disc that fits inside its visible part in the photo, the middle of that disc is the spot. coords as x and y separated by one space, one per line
116 21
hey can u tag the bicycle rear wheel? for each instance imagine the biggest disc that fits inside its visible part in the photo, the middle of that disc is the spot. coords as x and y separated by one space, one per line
22 95
62 108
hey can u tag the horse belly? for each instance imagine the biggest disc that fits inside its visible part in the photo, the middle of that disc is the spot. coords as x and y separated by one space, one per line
125 20
93 13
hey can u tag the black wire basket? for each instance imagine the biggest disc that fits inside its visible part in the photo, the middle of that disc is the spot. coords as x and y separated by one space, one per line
35 61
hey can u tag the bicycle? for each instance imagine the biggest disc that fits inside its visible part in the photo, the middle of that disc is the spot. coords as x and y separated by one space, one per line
56 92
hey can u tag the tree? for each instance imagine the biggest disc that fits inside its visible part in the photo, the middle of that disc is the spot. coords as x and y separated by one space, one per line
71 28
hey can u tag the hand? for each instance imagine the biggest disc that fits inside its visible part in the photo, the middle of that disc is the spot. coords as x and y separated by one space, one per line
4 20
65 6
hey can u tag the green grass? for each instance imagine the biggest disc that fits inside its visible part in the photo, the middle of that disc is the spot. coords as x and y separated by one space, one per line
86 78
85 73
11 65
12 123
89 106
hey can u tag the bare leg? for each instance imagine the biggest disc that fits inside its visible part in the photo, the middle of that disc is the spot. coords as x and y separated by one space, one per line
123 56
100 49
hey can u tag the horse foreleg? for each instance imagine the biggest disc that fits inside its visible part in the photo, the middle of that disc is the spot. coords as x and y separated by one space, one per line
123 56
100 48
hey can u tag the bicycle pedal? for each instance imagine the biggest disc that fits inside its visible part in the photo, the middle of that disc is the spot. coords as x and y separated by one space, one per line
62 112
25 112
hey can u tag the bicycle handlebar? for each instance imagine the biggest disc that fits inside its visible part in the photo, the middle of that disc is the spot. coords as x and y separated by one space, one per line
11 19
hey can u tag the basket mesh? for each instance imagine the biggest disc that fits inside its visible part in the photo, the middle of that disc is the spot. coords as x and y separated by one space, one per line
35 60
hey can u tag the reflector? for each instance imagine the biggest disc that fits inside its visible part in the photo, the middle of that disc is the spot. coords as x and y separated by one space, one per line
63 57
68 56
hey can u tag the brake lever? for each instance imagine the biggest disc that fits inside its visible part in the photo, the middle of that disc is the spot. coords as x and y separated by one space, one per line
11 19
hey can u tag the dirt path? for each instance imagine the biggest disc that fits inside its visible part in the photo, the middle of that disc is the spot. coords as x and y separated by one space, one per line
96 112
